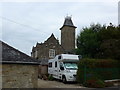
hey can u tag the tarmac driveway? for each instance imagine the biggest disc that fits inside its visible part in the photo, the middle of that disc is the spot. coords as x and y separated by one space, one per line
56 84
73 86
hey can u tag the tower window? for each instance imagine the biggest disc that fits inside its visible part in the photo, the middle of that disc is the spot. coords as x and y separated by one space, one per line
51 53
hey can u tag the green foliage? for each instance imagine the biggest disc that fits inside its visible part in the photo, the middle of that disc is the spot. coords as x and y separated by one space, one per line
99 41
50 77
94 83
94 69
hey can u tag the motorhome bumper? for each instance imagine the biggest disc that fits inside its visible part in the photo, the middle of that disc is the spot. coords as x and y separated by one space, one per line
71 78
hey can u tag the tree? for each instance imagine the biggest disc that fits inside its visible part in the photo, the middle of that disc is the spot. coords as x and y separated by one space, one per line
87 41
99 41
110 42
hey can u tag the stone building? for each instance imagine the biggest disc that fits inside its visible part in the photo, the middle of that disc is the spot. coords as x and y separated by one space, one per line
51 47
48 49
18 69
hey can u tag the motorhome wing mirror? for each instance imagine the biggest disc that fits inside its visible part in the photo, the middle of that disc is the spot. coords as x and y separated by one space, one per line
80 57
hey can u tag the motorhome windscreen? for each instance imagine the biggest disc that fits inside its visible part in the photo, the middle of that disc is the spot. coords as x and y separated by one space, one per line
70 65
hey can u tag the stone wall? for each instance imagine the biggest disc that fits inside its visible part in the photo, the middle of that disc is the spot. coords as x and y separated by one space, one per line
43 70
19 76
0 76
0 65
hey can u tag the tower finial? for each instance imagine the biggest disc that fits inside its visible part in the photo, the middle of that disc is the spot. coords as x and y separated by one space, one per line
68 16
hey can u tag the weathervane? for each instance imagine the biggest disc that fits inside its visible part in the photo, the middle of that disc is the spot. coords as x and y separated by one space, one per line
68 16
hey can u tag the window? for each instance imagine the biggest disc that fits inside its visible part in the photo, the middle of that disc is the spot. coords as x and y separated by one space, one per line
70 65
32 54
61 66
51 53
36 54
59 57
50 64
55 64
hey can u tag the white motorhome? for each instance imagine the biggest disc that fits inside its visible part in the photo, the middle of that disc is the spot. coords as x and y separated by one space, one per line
64 67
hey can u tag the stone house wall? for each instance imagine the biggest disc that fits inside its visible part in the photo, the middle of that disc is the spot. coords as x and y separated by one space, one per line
43 70
43 48
19 76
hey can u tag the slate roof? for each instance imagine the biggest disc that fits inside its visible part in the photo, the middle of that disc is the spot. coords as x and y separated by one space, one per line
12 55
68 22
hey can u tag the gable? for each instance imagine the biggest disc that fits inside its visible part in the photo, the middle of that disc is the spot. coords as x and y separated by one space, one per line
52 39
50 42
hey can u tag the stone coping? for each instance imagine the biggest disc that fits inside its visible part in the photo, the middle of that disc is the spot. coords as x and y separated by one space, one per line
19 62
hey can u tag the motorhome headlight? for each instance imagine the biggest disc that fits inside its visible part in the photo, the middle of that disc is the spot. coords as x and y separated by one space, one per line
68 71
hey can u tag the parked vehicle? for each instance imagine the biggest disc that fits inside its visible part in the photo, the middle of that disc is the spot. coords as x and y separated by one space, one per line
63 67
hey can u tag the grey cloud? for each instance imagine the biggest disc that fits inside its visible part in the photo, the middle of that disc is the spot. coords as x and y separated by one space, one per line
47 18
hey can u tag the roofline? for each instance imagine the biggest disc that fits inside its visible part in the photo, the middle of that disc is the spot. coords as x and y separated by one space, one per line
15 49
51 36
67 25
18 62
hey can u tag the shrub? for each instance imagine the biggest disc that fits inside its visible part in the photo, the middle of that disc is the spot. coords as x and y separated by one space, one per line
50 77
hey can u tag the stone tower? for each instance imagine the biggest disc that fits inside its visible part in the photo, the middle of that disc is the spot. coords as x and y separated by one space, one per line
68 35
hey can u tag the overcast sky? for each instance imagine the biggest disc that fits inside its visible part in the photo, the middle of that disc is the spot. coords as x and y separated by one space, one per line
26 23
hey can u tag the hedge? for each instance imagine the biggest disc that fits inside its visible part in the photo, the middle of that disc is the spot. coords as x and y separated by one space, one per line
97 70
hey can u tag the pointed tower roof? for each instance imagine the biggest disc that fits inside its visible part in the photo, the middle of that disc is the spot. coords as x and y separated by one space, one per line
68 22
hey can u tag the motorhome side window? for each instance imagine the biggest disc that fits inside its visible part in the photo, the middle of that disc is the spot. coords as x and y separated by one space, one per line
51 53
55 64
61 66
50 65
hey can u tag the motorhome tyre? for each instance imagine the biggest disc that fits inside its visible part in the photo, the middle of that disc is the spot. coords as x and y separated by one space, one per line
64 79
